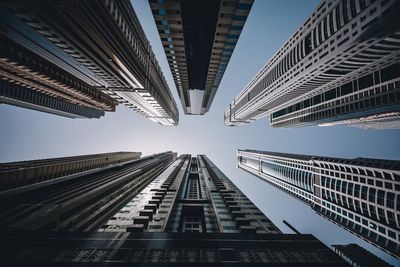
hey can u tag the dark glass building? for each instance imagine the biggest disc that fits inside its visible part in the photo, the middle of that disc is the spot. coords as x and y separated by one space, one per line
340 67
21 96
78 202
154 211
199 38
360 195
22 173
79 59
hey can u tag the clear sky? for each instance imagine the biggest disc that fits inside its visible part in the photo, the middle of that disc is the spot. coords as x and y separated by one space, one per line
26 134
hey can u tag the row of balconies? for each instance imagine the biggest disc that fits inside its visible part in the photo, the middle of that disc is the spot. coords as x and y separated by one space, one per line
141 222
235 210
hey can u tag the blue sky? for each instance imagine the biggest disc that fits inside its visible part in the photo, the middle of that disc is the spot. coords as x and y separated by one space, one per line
26 134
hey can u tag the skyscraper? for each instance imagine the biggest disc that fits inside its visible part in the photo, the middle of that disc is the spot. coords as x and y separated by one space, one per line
152 211
360 195
199 38
22 173
81 201
340 67
21 96
72 57
358 256
192 195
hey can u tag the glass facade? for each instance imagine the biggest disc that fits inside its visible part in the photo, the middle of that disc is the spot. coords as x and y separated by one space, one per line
77 193
360 195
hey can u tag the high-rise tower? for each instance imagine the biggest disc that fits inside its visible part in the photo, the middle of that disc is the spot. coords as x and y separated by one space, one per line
73 57
79 201
22 173
360 195
199 38
340 67
192 195
154 211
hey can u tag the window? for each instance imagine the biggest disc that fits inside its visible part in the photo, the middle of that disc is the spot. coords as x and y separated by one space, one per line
357 190
381 197
392 234
381 214
346 89
338 182
372 211
344 10
372 193
330 94
382 230
353 8
372 225
229 227
325 28
390 200
192 225
390 72
364 208
350 189
344 186
388 186
338 22
364 191
319 31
